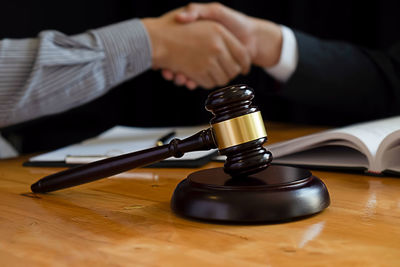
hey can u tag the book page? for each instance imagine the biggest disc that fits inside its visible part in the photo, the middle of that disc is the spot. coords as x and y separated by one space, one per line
326 148
316 140
327 156
389 153
372 133
391 160
355 145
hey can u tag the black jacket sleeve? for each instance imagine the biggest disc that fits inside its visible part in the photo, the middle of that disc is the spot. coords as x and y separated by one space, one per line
337 76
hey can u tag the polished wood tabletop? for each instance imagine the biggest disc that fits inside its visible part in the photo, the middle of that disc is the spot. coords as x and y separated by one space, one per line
126 220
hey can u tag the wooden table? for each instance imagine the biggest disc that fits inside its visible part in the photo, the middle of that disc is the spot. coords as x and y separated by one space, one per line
126 221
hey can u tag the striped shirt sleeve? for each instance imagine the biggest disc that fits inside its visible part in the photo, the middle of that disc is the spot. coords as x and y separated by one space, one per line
55 72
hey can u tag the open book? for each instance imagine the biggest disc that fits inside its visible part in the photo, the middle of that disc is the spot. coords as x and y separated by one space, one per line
372 146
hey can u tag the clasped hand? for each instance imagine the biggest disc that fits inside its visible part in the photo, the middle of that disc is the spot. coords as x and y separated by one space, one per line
208 45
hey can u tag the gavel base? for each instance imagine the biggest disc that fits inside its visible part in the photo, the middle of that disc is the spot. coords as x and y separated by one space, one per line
276 194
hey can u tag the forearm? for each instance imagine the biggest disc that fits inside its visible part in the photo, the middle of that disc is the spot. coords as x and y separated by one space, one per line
339 76
54 72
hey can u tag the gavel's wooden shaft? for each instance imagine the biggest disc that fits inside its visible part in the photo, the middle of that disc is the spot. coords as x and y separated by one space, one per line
111 166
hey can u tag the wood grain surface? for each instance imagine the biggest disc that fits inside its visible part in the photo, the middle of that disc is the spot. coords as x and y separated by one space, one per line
126 220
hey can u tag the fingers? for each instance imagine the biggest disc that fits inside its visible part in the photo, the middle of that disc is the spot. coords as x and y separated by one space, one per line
203 79
224 15
168 75
179 79
238 51
187 16
191 12
206 80
191 85
209 56
230 70
218 74
226 59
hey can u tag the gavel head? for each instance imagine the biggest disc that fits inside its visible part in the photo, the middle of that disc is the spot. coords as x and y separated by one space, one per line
238 130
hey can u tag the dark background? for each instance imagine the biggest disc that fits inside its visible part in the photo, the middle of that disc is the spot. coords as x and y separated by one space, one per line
148 100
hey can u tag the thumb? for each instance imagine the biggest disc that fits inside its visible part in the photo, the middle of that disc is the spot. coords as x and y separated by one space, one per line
211 11
193 12
186 16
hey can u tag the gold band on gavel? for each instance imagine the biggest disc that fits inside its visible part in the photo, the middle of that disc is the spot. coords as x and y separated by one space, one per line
239 130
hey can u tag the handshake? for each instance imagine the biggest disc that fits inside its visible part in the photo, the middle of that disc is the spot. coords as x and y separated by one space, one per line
208 45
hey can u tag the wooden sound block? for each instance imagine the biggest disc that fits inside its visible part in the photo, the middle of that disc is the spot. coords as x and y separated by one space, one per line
276 194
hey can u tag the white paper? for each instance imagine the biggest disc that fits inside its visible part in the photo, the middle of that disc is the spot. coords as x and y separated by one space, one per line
120 140
372 145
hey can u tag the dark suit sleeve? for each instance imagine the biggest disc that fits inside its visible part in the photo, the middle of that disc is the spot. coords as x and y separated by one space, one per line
338 76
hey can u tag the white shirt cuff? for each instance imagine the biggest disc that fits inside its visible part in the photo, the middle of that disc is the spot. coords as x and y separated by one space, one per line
289 57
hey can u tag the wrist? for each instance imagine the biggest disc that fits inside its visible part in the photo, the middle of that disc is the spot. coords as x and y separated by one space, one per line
288 60
268 43
157 48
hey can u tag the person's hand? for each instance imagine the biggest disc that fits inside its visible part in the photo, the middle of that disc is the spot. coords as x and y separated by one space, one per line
204 52
179 79
262 38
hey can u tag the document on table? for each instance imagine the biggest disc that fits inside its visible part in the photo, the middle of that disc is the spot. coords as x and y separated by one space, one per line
121 140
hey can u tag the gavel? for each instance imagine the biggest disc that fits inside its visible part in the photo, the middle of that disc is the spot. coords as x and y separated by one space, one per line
246 190
237 130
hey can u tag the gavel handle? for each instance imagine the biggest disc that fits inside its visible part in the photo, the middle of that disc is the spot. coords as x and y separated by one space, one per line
203 140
